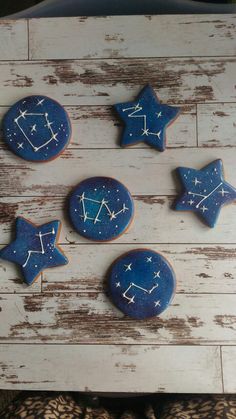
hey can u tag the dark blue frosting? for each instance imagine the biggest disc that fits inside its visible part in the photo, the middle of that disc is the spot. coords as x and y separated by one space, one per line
101 208
146 119
205 191
141 283
34 248
37 128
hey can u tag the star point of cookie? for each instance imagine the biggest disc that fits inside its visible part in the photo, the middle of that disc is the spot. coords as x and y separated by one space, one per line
205 191
146 119
35 248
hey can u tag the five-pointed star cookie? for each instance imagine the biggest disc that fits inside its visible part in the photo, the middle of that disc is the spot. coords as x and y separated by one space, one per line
205 191
146 119
34 248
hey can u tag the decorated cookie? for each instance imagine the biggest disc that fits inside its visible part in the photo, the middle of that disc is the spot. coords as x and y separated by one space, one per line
141 283
101 208
146 119
205 191
35 248
37 128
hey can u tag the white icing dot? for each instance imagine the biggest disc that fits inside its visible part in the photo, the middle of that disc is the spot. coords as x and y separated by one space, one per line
116 226
117 190
75 210
36 266
118 199
104 186
14 251
109 191
130 135
50 257
84 231
100 232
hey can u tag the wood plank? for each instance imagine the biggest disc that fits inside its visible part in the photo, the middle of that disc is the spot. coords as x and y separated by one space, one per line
132 36
229 367
216 125
132 369
99 127
105 82
90 318
143 171
210 269
14 39
154 222
11 280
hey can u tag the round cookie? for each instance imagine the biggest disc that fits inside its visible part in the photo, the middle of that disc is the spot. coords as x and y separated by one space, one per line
101 208
141 283
37 128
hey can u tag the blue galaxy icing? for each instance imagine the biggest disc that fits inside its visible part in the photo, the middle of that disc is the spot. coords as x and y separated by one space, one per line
34 248
205 191
36 128
146 119
101 208
141 283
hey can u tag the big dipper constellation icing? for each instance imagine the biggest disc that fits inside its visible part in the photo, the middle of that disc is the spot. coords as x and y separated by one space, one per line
101 208
37 128
141 283
146 119
205 191
34 248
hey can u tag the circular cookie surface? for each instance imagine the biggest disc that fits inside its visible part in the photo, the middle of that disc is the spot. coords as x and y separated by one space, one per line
141 283
37 128
101 208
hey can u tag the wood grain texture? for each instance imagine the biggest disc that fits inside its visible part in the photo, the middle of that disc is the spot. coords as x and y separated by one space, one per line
88 64
12 280
90 318
105 82
155 221
99 127
132 36
217 125
13 39
143 171
229 367
129 369
206 267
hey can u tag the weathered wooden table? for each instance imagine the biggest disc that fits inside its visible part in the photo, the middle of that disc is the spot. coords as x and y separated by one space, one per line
63 332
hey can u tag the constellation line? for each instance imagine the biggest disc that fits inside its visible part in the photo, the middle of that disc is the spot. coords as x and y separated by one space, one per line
135 110
204 197
48 124
133 285
42 251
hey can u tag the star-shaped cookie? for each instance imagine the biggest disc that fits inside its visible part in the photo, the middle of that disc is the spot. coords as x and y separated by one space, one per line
146 119
205 191
34 248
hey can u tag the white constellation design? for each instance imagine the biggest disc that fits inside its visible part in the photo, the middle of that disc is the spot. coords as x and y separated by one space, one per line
102 204
204 197
145 130
48 124
133 285
42 251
